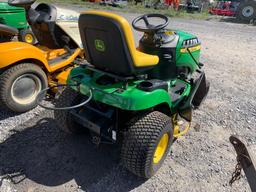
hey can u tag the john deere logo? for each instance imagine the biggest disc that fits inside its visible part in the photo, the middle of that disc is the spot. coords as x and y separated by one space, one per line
99 45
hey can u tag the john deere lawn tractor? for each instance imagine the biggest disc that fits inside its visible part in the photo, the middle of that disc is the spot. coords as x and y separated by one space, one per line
26 69
15 17
137 98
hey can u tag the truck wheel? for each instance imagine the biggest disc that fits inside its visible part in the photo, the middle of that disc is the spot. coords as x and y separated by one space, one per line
146 143
63 118
26 35
246 11
20 85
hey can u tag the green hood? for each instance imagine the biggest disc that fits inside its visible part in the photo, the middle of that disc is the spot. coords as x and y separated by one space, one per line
6 8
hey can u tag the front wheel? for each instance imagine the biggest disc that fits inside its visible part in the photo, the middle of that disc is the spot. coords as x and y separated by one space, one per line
146 143
20 85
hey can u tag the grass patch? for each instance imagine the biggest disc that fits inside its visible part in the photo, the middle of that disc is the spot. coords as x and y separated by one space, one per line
132 8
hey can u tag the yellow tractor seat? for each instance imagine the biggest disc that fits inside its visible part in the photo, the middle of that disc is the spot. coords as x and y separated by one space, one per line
109 45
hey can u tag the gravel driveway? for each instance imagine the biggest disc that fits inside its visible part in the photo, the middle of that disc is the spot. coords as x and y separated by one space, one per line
35 156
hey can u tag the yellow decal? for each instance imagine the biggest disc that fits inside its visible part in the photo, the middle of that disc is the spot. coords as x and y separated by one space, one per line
191 49
169 32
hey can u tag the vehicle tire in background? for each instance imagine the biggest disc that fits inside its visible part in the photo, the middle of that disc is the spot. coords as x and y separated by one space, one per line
20 85
26 35
246 11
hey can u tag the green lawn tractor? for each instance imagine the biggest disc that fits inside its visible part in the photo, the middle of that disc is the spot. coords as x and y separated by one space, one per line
140 99
15 17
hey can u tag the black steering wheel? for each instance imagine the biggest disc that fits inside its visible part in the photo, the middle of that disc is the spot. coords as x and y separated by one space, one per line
150 28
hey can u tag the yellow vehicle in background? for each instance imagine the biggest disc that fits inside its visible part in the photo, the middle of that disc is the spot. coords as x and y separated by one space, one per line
27 69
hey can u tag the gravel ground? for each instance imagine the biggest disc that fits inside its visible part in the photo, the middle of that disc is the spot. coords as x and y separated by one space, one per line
35 156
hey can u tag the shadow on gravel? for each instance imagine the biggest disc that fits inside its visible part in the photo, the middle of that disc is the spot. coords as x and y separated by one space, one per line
6 114
50 157
234 20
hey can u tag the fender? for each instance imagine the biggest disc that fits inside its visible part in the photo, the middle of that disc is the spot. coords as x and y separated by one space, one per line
132 99
13 52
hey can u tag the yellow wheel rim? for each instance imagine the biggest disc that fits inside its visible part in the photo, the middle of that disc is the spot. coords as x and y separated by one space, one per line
29 38
161 148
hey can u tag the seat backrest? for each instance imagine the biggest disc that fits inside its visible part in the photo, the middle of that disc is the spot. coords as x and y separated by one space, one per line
108 42
44 26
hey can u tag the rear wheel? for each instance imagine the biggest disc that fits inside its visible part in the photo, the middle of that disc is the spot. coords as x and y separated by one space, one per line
20 85
26 35
146 143
64 119
246 11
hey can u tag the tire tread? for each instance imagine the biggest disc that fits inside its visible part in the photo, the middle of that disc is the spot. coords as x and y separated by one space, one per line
139 141
5 81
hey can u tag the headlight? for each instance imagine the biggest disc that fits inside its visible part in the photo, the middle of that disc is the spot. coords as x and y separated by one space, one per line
190 42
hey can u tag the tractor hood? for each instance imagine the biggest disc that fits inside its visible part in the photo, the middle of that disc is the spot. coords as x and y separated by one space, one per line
6 8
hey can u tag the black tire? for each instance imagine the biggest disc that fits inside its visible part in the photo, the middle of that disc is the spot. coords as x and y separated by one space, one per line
68 98
249 5
140 142
24 34
9 99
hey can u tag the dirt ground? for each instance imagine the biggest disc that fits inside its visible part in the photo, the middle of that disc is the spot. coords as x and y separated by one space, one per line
36 157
